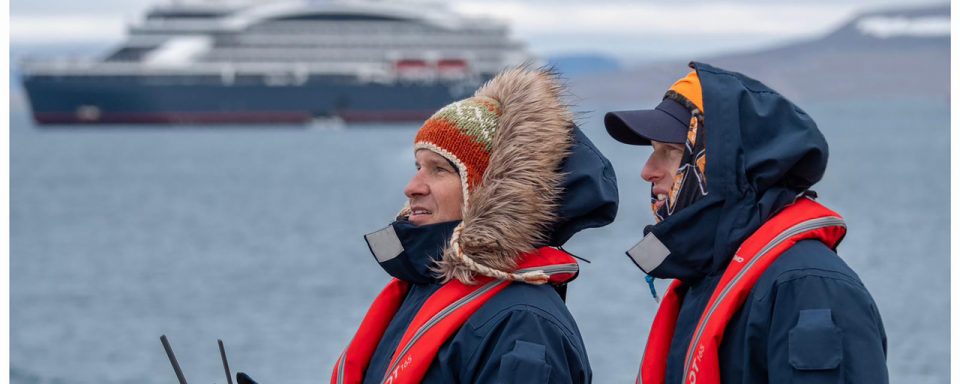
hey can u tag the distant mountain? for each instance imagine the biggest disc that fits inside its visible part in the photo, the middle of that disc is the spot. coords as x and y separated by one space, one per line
583 64
891 54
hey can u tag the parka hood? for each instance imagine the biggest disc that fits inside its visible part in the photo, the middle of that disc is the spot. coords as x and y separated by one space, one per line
545 181
762 152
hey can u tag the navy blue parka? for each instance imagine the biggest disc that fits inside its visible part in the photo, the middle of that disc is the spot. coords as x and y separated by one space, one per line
524 334
809 318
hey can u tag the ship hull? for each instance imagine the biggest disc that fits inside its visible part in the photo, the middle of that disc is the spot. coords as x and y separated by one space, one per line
84 99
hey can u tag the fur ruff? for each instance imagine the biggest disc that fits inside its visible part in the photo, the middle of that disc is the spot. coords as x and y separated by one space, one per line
512 209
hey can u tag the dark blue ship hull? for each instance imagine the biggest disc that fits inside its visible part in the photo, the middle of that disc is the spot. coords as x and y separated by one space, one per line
210 99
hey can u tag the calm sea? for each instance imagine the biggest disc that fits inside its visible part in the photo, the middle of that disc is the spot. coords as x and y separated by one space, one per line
254 236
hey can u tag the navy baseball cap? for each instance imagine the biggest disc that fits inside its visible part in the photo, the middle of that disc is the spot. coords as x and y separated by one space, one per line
667 123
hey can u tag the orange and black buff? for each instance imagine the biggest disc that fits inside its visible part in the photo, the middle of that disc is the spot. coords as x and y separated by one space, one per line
690 182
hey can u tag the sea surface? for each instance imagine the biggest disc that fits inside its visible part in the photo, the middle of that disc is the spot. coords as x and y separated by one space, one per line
254 236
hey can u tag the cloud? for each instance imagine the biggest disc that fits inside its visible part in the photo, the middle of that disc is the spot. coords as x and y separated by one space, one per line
619 28
66 29
662 18
644 30
886 27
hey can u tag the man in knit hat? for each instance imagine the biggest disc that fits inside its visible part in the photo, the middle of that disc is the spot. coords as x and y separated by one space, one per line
477 296
759 294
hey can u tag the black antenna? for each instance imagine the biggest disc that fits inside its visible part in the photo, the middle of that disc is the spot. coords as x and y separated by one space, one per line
173 359
226 367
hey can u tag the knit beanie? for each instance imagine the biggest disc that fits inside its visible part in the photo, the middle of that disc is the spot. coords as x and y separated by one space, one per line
462 132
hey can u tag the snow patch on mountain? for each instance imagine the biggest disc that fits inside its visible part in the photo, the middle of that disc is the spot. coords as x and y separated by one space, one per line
885 27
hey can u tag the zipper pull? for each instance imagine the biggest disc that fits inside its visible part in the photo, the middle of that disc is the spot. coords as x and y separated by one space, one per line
653 288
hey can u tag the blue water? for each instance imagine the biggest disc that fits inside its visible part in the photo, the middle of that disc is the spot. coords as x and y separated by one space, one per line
254 236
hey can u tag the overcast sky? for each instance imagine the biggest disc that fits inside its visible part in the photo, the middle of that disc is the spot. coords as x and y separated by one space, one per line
628 29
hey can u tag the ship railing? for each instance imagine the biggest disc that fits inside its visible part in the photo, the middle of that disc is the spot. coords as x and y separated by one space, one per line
272 74
364 40
305 55
298 70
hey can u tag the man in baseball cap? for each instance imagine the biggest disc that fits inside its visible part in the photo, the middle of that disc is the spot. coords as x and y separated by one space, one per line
759 294
676 167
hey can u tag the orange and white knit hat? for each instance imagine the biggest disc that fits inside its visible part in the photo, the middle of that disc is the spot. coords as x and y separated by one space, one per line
462 132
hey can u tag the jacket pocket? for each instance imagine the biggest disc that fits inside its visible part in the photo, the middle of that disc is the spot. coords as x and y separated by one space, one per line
816 348
526 363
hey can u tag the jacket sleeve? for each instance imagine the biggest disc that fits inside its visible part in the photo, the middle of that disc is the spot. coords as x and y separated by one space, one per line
825 329
518 345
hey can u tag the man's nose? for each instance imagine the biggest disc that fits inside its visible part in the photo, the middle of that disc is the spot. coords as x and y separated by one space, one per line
416 186
650 173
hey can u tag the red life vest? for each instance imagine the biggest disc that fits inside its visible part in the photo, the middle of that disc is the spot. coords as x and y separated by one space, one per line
440 317
802 220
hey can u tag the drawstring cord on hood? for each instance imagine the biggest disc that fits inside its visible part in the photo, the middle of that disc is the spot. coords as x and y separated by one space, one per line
537 277
574 256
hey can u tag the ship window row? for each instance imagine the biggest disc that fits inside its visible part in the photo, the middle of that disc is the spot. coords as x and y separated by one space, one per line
381 47
472 63
369 28
202 80
323 27
149 40
362 41
163 15
348 54
121 72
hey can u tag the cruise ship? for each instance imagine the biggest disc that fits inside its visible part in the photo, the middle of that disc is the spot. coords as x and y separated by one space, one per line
277 62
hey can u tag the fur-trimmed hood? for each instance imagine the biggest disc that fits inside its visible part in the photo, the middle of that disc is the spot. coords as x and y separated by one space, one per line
525 199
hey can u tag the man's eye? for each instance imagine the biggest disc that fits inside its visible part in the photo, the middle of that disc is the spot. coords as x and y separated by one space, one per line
441 169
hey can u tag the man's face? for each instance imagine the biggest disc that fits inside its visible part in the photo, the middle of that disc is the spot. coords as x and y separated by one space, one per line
434 192
660 170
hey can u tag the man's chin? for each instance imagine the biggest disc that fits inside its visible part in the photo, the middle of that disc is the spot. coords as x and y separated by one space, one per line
430 220
420 220
657 204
